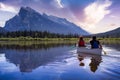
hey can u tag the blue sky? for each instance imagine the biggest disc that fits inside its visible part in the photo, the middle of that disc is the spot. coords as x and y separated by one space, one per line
92 15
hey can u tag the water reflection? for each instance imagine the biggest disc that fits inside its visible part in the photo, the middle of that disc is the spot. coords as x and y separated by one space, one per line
95 60
30 57
33 44
55 61
115 45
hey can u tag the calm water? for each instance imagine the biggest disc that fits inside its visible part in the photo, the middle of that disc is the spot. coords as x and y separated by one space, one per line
57 61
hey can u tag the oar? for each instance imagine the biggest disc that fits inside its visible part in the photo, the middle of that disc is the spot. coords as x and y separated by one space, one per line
103 49
72 46
104 52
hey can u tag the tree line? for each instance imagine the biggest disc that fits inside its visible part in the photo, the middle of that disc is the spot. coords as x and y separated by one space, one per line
36 34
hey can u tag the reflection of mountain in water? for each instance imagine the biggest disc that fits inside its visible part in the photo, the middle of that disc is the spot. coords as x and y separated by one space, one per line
31 57
95 60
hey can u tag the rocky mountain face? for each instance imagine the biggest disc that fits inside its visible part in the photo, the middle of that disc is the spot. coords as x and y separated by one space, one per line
29 19
2 30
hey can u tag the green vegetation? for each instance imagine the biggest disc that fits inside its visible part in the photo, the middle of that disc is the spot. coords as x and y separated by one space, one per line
110 40
102 40
33 43
46 36
35 34
37 39
41 43
106 40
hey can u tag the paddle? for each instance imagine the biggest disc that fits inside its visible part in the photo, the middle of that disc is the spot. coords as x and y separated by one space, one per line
104 52
73 46
103 49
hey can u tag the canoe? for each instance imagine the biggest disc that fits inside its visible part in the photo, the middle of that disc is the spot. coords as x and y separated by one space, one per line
89 51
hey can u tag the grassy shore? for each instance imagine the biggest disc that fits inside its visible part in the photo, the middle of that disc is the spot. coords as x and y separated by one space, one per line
59 39
37 39
52 41
110 40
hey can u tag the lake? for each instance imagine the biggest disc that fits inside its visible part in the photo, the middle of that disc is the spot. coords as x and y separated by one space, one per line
57 61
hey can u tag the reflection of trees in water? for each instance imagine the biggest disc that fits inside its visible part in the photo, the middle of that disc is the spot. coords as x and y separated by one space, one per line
94 63
43 45
115 45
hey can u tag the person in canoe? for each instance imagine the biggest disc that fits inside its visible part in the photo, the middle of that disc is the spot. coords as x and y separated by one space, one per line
95 43
81 42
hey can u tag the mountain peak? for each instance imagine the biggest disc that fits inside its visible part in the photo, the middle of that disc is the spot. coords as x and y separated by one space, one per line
29 19
44 14
27 12
26 9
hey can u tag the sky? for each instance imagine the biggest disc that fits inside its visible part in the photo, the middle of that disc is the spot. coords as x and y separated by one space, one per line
94 16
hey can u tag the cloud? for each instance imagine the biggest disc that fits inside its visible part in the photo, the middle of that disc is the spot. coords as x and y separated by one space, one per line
2 23
114 17
56 4
59 3
111 25
7 8
95 12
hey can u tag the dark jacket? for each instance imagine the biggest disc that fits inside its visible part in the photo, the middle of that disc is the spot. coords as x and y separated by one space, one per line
94 43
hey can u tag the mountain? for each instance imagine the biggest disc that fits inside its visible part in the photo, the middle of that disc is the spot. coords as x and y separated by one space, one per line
112 33
2 30
29 19
68 24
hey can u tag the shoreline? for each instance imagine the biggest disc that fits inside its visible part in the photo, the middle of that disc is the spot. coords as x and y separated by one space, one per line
37 39
49 39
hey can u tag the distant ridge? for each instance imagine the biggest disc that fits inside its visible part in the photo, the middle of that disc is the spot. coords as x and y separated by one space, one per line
112 33
29 19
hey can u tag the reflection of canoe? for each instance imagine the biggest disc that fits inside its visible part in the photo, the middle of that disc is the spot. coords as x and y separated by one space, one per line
95 60
91 51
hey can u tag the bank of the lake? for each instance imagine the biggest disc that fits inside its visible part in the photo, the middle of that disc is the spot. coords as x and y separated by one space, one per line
111 40
37 39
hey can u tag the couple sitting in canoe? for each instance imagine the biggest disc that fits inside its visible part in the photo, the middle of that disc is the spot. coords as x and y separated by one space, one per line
94 43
